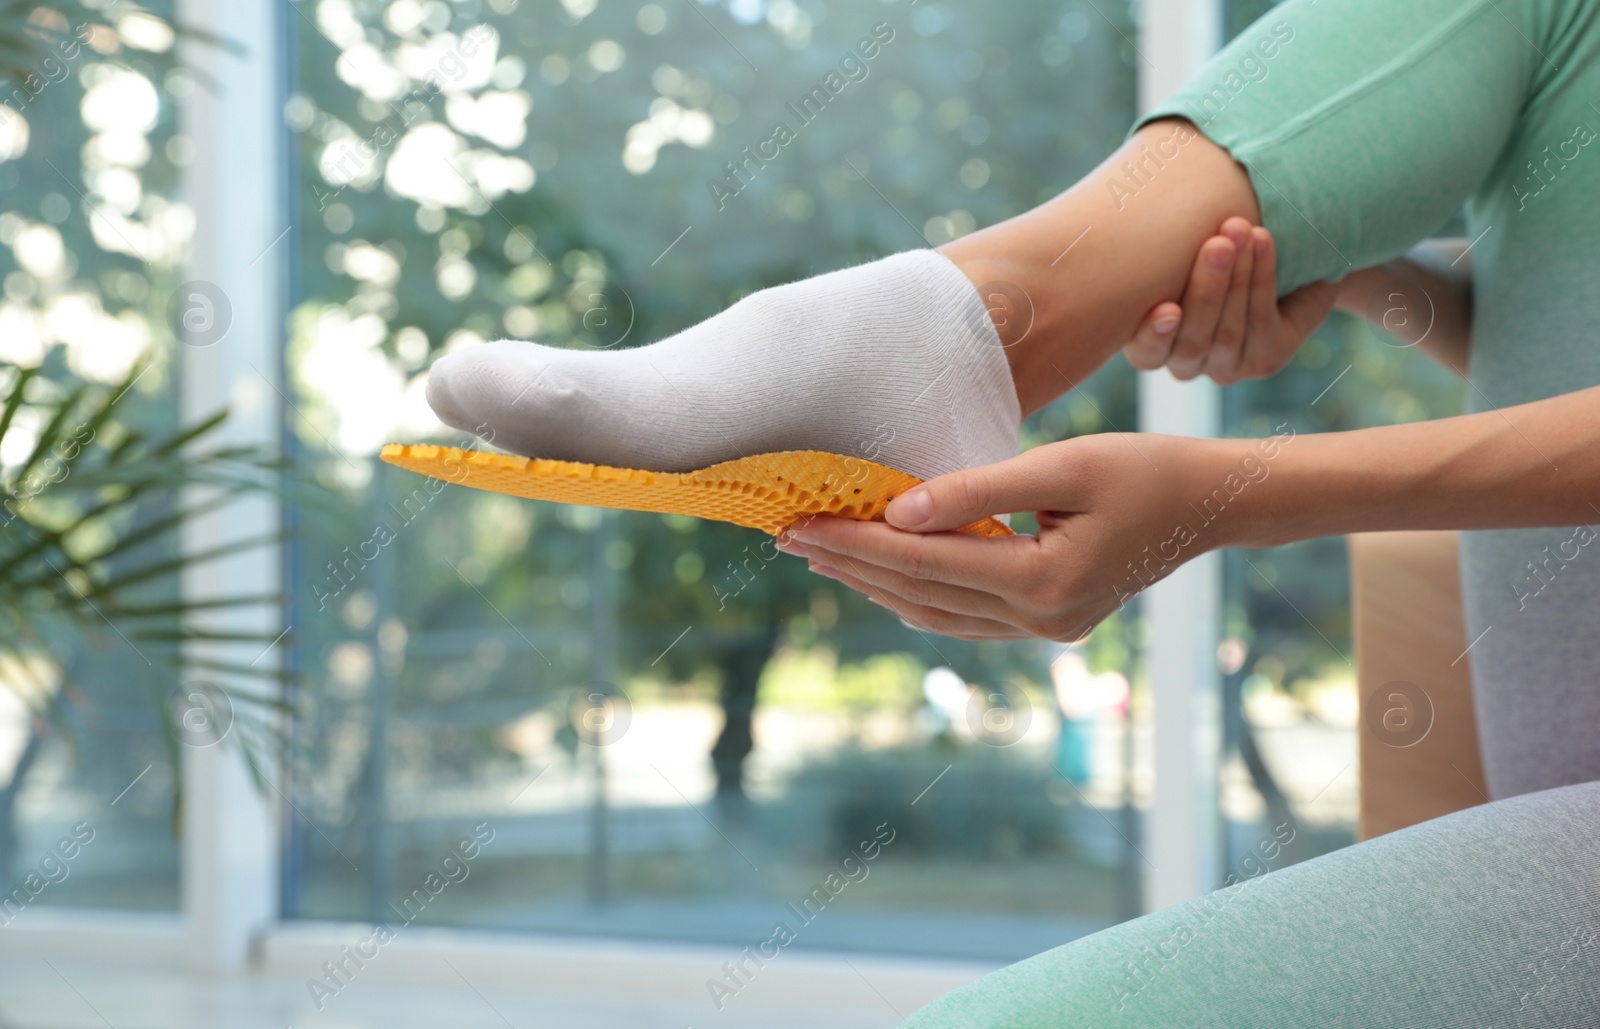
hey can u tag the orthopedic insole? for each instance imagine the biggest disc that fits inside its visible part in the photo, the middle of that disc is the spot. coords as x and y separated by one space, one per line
767 491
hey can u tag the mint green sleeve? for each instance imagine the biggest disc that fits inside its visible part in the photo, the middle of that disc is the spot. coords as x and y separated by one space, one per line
1366 124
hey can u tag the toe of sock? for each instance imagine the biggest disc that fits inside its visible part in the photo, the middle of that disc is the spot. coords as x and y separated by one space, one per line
445 390
495 391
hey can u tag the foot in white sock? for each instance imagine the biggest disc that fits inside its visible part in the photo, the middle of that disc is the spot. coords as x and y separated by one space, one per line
895 361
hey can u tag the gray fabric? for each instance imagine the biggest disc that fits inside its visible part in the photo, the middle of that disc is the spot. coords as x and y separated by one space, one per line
1534 673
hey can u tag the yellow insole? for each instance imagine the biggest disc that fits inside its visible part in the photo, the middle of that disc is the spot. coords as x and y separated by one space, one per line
767 491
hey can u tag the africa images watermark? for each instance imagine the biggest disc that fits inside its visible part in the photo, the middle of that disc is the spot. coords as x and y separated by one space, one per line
1542 176
842 483
1198 915
1152 567
1555 964
1251 68
1542 576
54 867
356 156
853 869
1137 173
1140 171
455 868
48 470
343 574
55 70
852 68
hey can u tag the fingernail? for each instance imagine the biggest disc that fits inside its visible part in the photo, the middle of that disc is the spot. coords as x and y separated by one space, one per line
825 571
910 509
1166 326
1219 257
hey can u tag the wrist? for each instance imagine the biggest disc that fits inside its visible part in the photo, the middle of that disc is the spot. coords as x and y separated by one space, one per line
1234 491
1367 480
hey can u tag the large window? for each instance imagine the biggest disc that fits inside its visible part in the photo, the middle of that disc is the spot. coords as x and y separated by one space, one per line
623 724
569 180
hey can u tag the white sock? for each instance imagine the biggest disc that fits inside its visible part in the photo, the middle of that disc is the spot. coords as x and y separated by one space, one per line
895 361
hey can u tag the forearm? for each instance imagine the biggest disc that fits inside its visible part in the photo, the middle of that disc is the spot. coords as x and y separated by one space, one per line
1069 281
1423 299
1536 464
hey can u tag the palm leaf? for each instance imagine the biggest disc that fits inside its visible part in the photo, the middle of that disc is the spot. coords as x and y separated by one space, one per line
178 607
92 471
24 43
14 402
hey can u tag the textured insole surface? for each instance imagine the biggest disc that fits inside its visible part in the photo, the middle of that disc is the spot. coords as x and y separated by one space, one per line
767 491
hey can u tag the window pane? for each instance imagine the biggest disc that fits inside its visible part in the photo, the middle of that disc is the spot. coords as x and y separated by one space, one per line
775 725
91 243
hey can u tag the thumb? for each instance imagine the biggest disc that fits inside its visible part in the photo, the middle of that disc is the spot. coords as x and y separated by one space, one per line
1028 482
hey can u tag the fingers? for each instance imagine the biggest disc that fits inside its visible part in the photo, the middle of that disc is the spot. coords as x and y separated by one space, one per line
1227 342
1151 346
1263 350
918 616
919 592
1203 299
953 558
1277 328
1029 482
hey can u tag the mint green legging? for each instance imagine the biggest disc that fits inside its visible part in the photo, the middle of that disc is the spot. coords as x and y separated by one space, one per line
1365 125
1488 917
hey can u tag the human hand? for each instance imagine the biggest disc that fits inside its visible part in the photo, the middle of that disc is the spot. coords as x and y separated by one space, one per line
1116 511
1231 324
